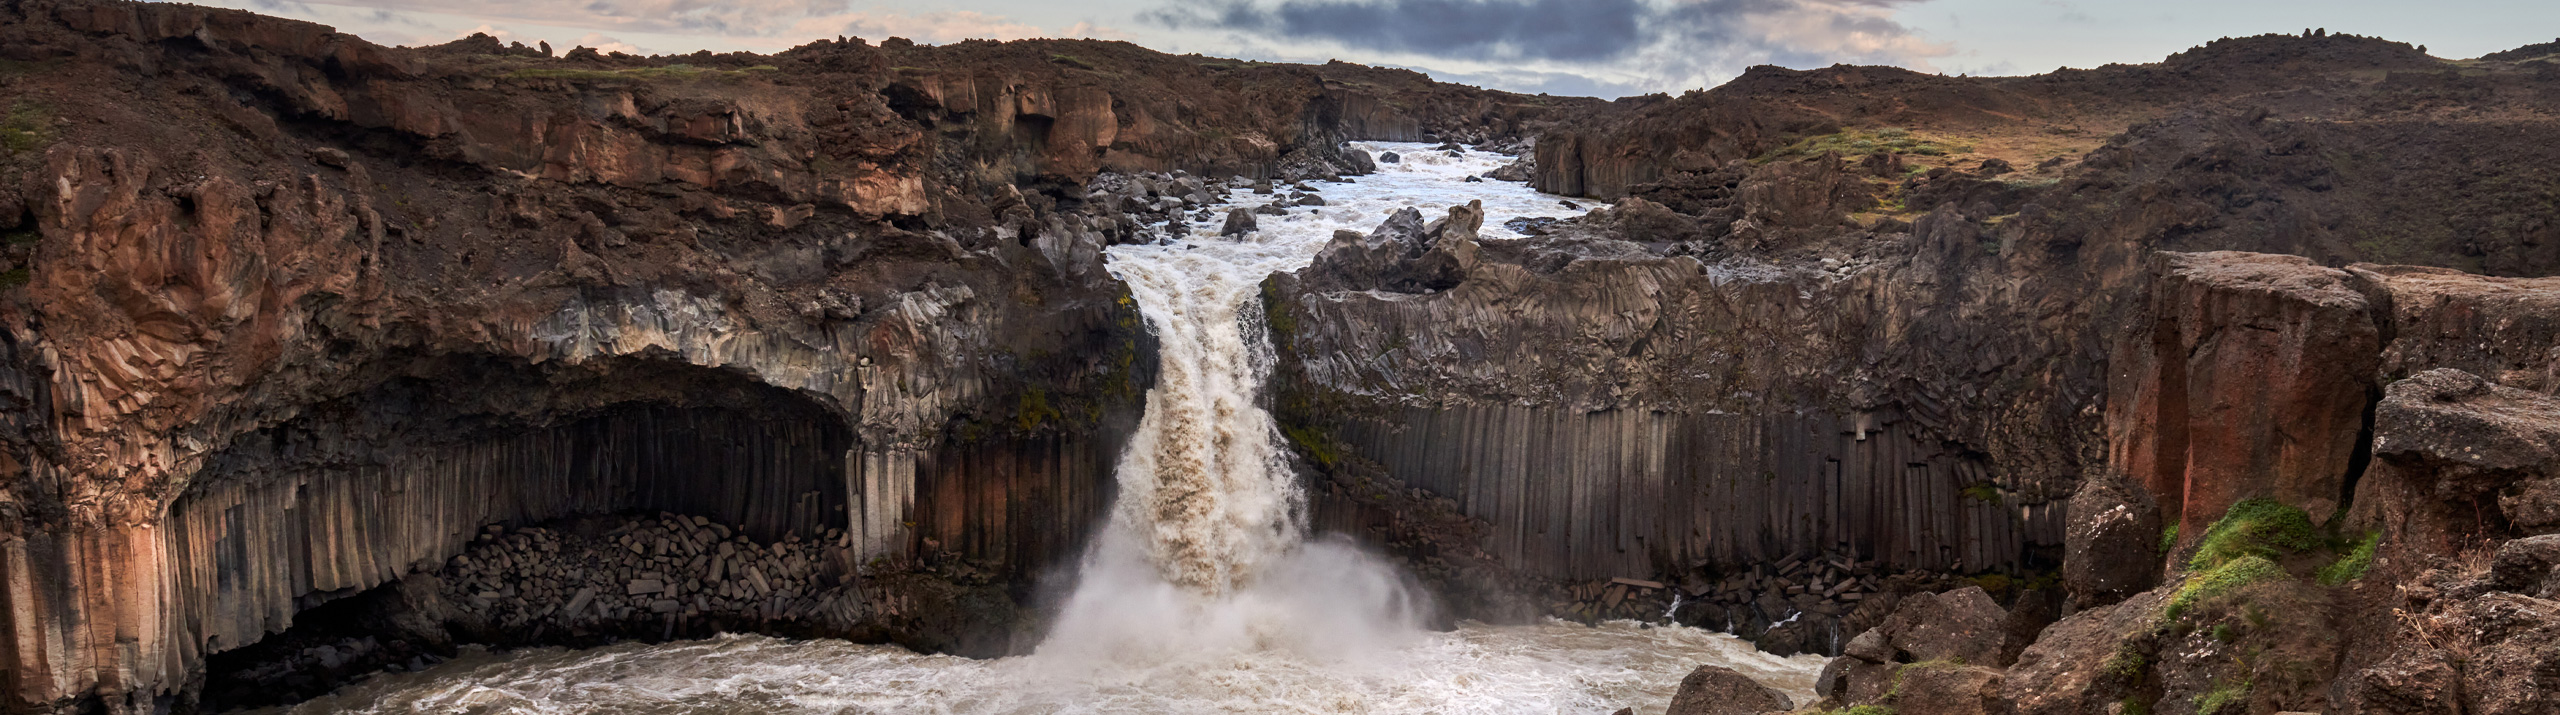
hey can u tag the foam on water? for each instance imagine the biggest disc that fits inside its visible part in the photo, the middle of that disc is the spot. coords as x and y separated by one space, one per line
1554 667
1202 594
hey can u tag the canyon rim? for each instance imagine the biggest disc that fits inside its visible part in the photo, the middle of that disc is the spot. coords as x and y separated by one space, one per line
1049 375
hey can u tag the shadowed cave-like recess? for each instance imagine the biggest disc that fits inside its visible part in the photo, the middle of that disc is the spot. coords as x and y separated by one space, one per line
358 492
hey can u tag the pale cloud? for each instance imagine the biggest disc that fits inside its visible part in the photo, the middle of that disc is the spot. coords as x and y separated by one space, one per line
932 27
772 24
603 43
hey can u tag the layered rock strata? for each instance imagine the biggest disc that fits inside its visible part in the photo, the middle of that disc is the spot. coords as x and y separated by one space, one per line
290 313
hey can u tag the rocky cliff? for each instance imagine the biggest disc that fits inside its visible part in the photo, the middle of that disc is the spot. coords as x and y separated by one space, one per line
307 333
292 315
1904 318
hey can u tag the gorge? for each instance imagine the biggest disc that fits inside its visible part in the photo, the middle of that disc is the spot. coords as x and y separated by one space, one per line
1037 375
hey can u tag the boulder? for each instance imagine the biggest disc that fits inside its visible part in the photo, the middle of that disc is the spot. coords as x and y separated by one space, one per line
1520 170
1389 158
1356 162
2068 670
2448 446
1718 690
1402 255
2111 544
2514 665
1941 688
2412 682
2528 566
1239 222
1962 625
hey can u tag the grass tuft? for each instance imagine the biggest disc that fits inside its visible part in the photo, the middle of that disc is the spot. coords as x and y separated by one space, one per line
2205 586
2169 539
2260 527
2127 664
2352 566
2223 697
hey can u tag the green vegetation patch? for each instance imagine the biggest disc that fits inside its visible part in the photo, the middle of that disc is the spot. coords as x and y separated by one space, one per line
2205 586
1036 410
2354 563
2231 696
1985 492
1862 142
25 129
2127 664
1862 710
668 72
2169 539
15 277
2260 527
1071 61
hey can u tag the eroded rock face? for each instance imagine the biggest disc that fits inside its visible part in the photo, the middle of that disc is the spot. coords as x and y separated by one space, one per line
231 223
2067 670
2449 444
2252 381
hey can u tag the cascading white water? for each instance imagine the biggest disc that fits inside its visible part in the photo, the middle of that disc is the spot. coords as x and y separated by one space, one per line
1203 593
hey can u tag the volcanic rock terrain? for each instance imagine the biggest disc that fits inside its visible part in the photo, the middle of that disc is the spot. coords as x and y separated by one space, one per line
2219 384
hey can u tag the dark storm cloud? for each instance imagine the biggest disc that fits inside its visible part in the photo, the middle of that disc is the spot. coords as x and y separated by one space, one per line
1569 30
1674 43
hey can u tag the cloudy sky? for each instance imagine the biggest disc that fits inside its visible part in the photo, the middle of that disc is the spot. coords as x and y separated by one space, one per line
1604 48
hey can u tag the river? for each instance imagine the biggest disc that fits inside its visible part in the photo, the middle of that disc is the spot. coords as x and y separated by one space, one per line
1204 593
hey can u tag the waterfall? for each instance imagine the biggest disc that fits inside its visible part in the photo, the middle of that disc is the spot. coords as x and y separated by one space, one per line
1207 548
1204 592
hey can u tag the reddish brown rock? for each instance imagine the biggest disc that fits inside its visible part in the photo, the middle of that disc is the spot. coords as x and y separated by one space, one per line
2252 382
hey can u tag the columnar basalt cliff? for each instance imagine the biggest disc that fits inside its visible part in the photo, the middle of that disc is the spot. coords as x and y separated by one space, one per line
1822 291
292 315
307 334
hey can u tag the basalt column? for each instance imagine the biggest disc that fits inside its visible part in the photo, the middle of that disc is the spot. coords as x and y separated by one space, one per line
357 492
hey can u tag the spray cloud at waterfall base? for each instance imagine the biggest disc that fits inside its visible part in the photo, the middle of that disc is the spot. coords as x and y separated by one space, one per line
1204 593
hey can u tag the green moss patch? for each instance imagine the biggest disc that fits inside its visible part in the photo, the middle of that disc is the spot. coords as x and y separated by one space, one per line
2230 696
25 129
2264 528
2205 586
2354 563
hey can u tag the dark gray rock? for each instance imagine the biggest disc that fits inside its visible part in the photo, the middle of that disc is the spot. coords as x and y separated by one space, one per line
2529 566
1718 690
2111 546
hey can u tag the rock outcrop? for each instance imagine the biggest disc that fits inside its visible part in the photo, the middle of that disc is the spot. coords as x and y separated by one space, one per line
291 316
2250 380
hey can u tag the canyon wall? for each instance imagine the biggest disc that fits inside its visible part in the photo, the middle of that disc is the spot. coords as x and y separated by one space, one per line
291 314
1972 267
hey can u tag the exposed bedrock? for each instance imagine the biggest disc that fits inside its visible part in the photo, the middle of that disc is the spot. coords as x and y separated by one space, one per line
292 316
2254 376
1612 411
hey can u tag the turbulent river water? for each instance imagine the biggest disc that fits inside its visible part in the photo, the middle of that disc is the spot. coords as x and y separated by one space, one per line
1204 593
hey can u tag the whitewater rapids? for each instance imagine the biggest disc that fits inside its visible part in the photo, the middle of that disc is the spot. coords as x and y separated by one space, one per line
1203 593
